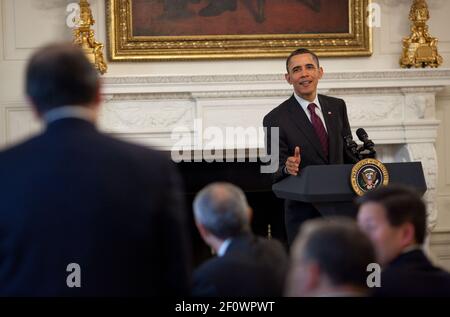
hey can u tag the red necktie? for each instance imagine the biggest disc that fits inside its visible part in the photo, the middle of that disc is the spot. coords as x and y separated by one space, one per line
318 126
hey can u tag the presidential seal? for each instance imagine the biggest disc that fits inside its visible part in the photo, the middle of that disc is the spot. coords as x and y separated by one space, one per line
367 175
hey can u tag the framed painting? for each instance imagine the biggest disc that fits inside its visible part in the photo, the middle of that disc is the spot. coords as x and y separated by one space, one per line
218 29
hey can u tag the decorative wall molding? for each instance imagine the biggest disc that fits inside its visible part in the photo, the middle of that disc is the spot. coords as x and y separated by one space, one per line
19 35
444 116
440 248
140 116
351 79
17 122
426 153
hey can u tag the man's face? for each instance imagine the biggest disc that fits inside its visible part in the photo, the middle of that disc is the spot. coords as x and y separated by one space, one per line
387 239
304 75
303 279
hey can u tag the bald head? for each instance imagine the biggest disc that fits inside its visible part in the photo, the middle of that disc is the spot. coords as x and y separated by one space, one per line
223 210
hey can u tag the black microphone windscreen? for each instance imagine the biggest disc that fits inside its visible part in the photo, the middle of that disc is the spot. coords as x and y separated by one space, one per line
361 133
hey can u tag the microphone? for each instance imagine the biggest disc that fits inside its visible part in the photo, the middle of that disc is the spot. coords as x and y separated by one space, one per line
352 146
368 144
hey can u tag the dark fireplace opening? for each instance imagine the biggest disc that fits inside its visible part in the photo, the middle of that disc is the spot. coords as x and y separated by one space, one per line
267 208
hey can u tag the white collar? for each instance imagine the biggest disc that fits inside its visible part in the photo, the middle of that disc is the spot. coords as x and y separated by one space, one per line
305 103
412 247
223 247
64 112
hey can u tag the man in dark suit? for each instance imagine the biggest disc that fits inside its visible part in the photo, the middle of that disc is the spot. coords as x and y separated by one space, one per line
394 218
245 265
311 131
82 213
317 270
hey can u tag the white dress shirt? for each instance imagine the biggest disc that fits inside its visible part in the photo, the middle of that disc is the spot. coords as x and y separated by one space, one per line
305 103
59 113
223 247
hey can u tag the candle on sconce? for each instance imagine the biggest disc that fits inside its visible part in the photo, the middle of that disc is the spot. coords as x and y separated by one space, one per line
84 37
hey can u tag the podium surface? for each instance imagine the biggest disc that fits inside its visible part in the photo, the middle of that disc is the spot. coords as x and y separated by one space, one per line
329 189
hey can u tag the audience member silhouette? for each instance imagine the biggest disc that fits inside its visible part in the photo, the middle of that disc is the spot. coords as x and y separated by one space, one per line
245 265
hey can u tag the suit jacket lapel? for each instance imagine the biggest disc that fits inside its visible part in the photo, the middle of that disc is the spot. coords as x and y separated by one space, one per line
301 120
332 129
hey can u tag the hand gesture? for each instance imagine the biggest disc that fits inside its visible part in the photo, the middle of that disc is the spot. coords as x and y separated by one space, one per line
293 162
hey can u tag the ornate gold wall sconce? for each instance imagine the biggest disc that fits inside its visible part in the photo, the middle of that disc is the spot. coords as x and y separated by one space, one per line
420 48
84 37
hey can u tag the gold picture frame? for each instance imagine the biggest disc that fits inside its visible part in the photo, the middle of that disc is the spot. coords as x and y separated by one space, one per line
125 45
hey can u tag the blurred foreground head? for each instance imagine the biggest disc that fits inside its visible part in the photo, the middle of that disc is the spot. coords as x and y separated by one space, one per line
221 211
330 258
60 75
394 218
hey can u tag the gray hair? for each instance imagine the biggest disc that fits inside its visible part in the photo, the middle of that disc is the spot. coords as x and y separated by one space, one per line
338 246
222 209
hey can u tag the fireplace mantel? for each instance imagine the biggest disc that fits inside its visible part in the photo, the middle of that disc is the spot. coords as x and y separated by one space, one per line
262 82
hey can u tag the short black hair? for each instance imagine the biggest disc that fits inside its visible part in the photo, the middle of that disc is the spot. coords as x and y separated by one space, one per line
301 51
402 204
60 75
339 247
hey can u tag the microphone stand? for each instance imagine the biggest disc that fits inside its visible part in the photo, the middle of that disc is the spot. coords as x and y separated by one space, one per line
353 148
364 152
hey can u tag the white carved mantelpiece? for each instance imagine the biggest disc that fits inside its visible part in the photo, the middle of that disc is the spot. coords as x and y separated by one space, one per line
396 107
